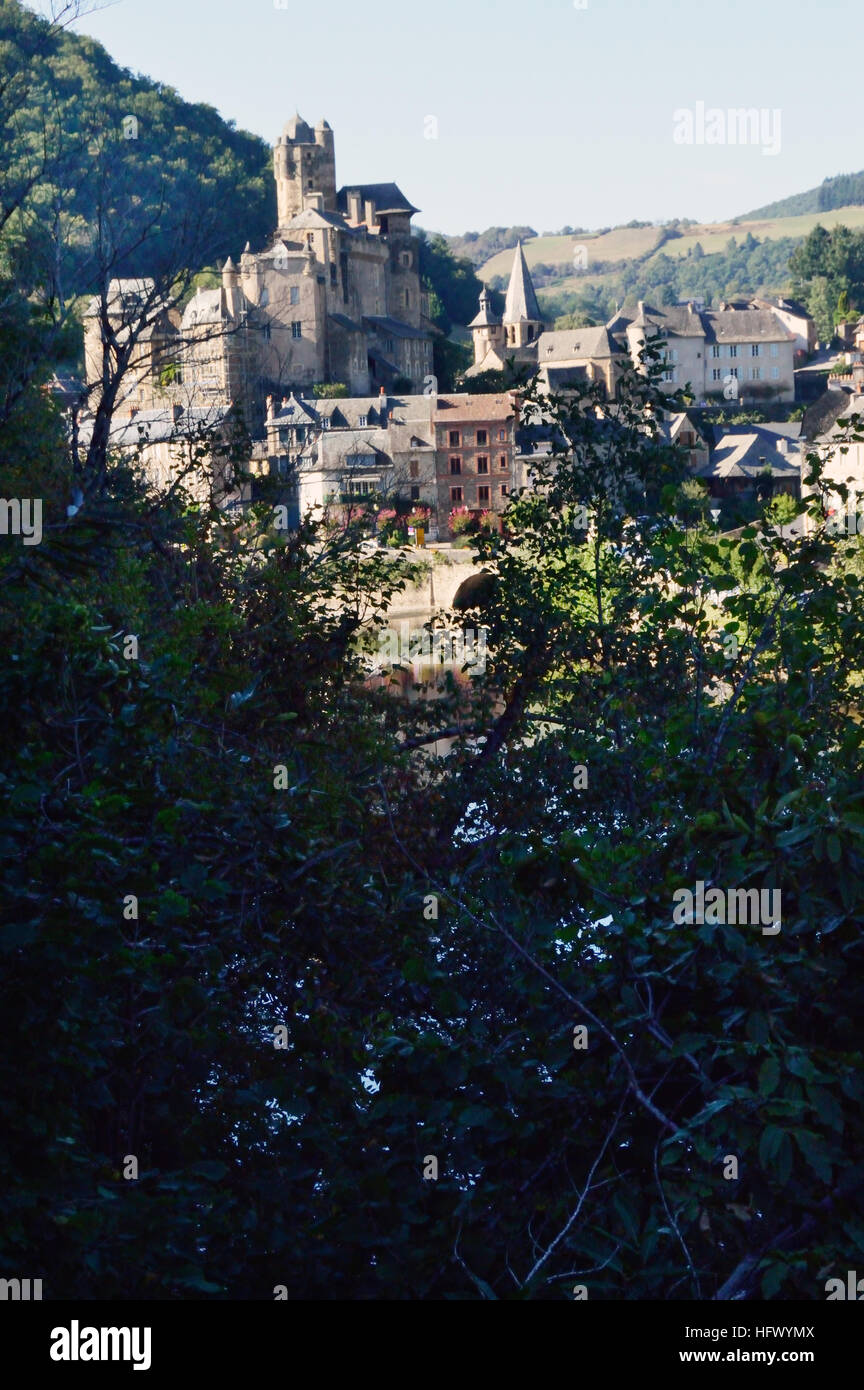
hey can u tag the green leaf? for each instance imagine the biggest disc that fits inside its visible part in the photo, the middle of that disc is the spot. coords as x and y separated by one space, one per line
769 1144
769 1076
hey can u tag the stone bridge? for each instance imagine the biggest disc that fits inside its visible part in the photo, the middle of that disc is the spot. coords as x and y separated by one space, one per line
453 579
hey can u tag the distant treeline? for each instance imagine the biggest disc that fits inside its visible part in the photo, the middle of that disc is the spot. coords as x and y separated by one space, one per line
844 190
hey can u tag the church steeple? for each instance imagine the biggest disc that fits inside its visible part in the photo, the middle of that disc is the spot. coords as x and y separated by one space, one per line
522 320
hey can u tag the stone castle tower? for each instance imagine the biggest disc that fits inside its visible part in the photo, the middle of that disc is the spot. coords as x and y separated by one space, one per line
304 164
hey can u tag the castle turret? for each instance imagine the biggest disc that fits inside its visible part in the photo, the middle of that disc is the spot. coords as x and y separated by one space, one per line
522 319
231 288
304 162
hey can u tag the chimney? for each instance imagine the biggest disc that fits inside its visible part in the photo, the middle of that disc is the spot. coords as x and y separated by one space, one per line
270 410
371 221
314 201
355 214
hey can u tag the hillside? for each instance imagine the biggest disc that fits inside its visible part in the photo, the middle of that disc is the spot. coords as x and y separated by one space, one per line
183 154
843 190
592 273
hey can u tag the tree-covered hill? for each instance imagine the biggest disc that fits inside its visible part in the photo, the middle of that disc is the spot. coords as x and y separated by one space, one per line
75 98
843 190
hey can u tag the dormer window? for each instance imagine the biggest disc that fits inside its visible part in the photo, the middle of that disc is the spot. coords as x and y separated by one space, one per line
364 420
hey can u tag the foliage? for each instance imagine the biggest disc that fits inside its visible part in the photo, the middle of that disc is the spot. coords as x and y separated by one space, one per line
329 390
828 272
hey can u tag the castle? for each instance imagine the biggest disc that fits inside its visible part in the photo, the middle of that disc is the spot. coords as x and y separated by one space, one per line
336 297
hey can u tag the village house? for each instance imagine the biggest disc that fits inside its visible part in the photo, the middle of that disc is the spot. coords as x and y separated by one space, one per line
842 461
752 461
439 452
735 352
474 439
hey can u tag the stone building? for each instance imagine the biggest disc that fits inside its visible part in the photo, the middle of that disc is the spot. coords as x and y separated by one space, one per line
735 352
475 443
337 296
440 452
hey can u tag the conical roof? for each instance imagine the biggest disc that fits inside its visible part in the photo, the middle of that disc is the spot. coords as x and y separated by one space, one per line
297 130
485 316
521 302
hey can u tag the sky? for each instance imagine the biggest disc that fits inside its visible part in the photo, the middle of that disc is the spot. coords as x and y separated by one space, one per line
538 112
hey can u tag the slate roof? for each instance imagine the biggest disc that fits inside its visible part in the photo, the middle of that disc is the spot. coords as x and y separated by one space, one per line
745 452
159 425
751 325
343 321
820 418
387 197
311 218
570 344
521 303
204 307
122 292
296 129
384 324
486 315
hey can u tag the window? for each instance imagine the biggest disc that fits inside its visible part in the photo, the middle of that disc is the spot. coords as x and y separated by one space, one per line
388 344
482 494
333 274
775 373
715 351
775 351
455 465
755 373
454 439
502 460
733 351
265 330
415 494
733 371
482 437
325 422
669 376
502 434
503 489
482 465
405 258
363 421
295 294
754 349
414 468
717 374
407 299
455 494
296 329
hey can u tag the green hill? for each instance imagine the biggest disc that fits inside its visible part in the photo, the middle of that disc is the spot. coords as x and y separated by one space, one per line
843 190
183 160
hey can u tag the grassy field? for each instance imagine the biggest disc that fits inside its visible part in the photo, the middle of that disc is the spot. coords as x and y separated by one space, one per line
628 243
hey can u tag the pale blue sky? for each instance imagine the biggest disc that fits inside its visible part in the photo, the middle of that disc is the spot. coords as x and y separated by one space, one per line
547 114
